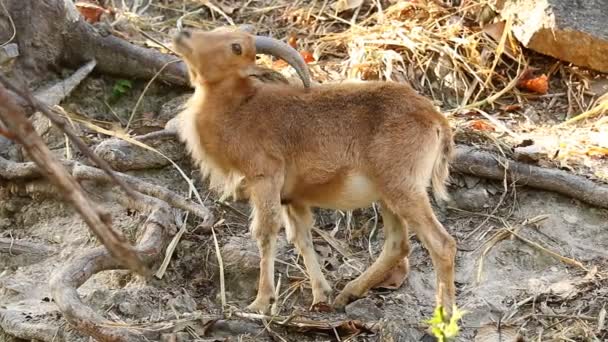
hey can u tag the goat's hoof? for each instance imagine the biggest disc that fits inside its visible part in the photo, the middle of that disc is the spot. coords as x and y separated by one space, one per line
343 299
260 306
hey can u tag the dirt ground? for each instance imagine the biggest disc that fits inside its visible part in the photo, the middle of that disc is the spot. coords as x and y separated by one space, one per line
547 281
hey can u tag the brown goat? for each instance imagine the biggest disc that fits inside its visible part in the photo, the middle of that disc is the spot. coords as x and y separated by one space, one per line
341 146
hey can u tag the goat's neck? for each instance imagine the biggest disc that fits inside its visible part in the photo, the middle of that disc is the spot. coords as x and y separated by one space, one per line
226 94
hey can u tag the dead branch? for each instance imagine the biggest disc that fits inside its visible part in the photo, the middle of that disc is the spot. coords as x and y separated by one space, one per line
475 162
65 283
16 121
17 247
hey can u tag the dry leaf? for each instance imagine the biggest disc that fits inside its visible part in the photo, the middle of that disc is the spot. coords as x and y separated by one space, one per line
539 85
481 125
307 56
395 278
597 152
345 5
510 108
91 12
292 41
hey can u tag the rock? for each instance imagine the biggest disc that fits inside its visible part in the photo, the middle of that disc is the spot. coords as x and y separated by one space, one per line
170 109
572 31
123 156
182 303
242 265
364 309
8 52
5 145
399 331
471 199
471 181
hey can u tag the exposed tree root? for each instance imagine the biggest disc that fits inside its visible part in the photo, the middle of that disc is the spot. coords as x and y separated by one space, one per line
483 164
65 283
17 247
12 171
15 120
51 33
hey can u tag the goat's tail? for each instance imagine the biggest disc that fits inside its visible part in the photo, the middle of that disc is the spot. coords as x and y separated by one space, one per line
441 168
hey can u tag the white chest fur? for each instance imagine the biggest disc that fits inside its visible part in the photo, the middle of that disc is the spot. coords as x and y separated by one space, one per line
225 183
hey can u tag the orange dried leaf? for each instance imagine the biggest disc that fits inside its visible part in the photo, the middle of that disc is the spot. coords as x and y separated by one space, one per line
481 125
597 152
308 57
280 64
539 85
292 41
91 12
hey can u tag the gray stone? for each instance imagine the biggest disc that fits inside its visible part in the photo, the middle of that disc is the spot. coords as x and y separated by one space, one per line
123 156
171 108
471 199
182 303
573 31
364 309
8 52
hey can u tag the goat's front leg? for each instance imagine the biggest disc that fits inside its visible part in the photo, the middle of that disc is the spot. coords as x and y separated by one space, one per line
298 224
266 203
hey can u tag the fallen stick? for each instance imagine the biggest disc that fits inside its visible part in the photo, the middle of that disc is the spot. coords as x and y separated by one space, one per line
469 160
15 120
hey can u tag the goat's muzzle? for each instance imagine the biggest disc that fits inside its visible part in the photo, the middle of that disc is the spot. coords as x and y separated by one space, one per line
179 39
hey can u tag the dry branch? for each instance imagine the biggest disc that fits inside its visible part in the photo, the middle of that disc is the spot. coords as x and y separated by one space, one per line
475 162
15 120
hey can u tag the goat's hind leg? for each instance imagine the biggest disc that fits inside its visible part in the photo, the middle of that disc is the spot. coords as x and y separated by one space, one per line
396 249
298 224
266 202
416 210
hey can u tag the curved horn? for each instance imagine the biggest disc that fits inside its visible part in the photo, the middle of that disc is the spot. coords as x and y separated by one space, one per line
281 50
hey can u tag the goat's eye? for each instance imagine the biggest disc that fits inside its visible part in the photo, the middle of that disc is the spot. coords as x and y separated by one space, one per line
236 49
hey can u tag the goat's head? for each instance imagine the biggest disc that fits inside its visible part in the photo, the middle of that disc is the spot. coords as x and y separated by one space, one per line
212 56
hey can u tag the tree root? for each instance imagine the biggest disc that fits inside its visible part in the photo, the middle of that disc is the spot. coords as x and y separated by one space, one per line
14 118
17 247
65 283
482 164
12 171
155 237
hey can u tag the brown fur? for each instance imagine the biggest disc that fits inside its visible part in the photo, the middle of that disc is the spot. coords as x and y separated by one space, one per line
340 146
